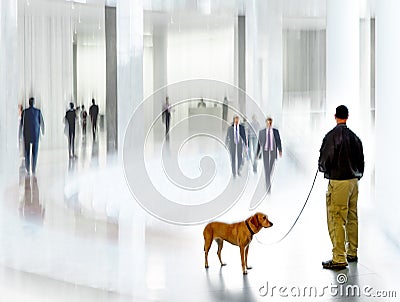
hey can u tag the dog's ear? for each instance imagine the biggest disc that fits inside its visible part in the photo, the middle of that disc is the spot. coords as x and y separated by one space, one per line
254 221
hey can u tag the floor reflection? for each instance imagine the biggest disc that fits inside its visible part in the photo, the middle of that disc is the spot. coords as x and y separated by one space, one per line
92 233
31 208
95 154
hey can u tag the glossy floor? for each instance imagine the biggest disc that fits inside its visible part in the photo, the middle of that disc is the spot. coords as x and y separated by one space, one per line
75 233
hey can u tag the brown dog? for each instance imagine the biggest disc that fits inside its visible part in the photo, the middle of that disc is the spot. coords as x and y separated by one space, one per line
240 233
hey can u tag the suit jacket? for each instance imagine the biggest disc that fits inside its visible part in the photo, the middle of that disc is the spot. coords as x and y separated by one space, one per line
70 116
262 137
30 124
94 112
230 136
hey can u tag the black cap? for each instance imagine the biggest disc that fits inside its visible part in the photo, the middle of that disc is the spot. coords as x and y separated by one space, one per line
342 112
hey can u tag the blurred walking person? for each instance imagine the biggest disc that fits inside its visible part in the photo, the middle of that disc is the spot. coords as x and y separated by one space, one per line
166 116
70 117
94 112
31 124
235 141
225 109
84 120
270 143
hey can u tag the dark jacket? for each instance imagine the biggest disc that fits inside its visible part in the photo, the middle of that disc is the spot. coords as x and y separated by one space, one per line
31 122
341 154
230 136
94 112
70 116
262 138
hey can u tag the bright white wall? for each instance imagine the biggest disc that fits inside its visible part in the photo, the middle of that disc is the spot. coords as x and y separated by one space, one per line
201 53
387 112
195 53
91 73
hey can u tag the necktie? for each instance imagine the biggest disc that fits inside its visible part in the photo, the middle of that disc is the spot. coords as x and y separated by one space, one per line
269 147
236 135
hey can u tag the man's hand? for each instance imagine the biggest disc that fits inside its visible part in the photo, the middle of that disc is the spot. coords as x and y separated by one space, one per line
280 153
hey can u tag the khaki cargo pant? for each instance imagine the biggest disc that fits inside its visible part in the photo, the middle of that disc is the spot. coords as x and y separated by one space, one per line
341 209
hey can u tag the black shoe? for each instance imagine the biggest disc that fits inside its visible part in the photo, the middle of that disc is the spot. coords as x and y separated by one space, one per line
330 264
352 258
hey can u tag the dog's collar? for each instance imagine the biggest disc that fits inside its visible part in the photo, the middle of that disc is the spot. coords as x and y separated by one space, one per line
248 226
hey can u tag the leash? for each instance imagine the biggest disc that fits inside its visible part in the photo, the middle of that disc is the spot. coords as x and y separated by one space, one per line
298 216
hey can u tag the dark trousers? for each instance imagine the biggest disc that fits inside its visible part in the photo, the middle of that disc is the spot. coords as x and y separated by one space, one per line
236 152
35 145
84 127
71 142
269 158
167 123
94 127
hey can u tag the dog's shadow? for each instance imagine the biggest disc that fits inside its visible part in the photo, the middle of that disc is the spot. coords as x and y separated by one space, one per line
220 292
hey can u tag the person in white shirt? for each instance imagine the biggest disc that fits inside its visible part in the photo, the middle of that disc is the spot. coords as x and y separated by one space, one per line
269 142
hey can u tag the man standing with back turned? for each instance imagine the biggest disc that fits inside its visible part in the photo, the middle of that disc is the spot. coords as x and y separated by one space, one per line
342 162
30 125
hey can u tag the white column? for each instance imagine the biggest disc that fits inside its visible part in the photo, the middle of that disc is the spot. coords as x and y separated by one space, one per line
387 114
160 51
9 153
264 70
252 52
129 63
272 71
342 58
160 79
130 95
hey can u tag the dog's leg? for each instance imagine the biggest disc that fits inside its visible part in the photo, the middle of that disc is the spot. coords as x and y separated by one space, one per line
246 253
242 256
207 246
220 243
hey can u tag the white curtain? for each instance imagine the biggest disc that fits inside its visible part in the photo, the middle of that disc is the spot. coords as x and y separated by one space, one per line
46 63
47 31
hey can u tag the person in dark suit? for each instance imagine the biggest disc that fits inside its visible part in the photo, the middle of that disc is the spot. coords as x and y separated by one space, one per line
70 117
30 125
235 140
225 109
93 113
166 116
269 141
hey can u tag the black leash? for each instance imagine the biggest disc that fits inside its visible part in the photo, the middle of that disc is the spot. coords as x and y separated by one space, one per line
298 216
